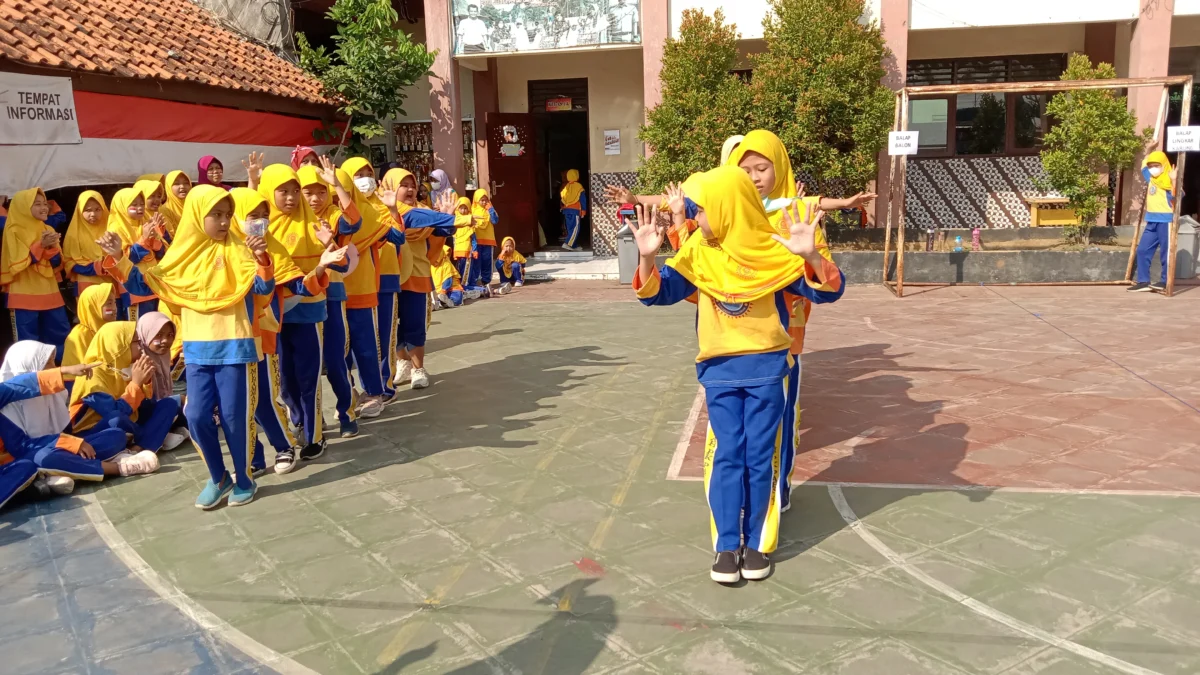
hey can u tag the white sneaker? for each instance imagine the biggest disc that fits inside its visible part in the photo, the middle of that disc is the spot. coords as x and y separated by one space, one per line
404 372
60 485
136 465
175 439
372 407
445 300
505 288
519 284
472 294
420 379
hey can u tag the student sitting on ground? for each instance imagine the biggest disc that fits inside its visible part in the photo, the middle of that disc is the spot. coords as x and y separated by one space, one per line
511 266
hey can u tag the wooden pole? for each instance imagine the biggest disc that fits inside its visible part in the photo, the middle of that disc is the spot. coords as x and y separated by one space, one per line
1185 118
1160 127
887 234
900 219
1045 86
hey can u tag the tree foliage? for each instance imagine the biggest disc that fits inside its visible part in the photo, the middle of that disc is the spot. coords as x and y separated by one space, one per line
1094 133
371 65
703 103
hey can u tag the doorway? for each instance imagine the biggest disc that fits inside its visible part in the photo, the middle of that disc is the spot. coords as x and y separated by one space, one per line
560 112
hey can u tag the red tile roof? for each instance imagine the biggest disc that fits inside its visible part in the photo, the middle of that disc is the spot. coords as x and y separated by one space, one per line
172 40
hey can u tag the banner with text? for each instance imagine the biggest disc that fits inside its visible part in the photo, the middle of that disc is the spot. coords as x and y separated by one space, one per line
36 110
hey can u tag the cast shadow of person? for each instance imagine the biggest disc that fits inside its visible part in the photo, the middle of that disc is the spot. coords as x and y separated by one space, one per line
566 643
859 398
505 399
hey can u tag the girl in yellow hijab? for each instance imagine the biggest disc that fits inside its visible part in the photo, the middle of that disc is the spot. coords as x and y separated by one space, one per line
1160 212
424 230
82 256
486 219
178 185
762 155
464 239
738 267
30 261
574 208
294 224
96 306
511 265
140 242
157 197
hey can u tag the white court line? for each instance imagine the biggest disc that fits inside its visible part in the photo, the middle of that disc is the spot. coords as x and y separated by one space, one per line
851 518
189 607
685 438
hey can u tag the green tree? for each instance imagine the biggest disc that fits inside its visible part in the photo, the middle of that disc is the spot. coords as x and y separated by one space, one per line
1094 133
703 103
818 87
371 65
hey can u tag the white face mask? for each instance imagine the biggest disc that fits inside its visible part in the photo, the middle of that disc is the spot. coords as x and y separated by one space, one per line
127 373
1156 171
257 227
365 185
435 185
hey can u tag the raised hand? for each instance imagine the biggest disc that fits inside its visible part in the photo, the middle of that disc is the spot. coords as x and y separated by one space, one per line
254 168
446 202
674 198
324 232
110 243
149 229
386 195
800 192
327 171
257 245
49 239
80 369
801 221
860 199
648 235
143 371
618 194
334 257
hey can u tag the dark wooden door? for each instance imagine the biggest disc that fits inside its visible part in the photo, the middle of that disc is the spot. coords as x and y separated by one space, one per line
512 157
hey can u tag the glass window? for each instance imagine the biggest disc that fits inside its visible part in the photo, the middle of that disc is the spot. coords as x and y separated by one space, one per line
929 117
980 123
1030 112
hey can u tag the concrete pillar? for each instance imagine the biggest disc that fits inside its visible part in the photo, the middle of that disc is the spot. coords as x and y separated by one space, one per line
656 28
444 107
893 20
1149 56
487 100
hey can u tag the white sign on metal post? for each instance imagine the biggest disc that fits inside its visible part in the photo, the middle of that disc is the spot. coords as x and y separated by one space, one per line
902 142
1183 139
36 110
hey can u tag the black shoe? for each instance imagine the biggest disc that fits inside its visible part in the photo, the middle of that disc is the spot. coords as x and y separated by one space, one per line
785 500
285 461
1158 288
312 451
755 566
1139 288
726 568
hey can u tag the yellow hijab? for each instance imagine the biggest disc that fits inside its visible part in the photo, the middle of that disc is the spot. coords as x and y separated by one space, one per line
157 177
571 191
1163 180
119 220
90 310
741 263
477 209
111 348
463 219
295 230
355 164
199 272
373 227
329 211
79 246
392 180
245 201
172 207
508 260
21 232
147 188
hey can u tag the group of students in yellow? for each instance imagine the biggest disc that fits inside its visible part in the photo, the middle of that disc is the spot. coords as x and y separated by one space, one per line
203 305
751 254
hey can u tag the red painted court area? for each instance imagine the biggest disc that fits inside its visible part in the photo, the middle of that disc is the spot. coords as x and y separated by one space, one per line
1070 388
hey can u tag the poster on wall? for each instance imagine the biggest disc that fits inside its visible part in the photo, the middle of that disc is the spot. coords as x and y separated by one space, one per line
503 26
612 141
36 110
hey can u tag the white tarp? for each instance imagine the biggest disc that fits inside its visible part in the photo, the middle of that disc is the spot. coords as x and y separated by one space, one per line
36 110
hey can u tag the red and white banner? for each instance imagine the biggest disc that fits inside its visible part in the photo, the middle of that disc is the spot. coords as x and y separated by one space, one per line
127 136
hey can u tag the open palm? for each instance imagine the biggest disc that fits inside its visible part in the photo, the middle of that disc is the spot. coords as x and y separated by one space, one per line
801 221
649 236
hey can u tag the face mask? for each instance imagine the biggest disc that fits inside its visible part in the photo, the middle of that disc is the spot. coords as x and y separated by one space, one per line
773 205
256 227
127 373
435 185
365 185
1156 171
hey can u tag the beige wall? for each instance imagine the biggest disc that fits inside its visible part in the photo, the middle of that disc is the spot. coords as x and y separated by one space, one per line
1185 31
614 95
965 42
416 105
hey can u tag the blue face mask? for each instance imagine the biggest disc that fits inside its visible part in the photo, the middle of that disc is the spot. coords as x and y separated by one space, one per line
773 205
690 209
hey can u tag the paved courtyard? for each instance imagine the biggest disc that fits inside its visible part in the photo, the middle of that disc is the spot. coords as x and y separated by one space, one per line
992 481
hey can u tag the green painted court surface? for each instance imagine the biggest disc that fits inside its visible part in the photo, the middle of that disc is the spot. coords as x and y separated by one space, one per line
991 481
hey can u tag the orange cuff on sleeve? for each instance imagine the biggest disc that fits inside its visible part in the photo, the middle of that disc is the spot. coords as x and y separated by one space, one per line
69 443
315 285
117 269
134 395
50 381
646 288
150 244
351 213
827 278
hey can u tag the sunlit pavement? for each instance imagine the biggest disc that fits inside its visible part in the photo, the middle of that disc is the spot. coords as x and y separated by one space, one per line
991 481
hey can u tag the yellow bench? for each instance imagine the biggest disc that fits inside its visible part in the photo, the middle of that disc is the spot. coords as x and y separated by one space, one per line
1050 212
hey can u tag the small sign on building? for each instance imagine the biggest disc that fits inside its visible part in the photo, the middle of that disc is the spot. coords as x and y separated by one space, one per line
36 110
1183 139
558 105
902 142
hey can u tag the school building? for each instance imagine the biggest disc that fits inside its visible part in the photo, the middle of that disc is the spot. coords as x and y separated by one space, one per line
521 92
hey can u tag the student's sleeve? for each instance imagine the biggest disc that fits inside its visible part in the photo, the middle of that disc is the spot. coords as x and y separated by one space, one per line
123 271
349 221
88 270
664 287
495 217
31 385
1146 173
145 248
107 407
58 217
308 286
583 203
38 254
264 281
71 444
441 224
395 237
822 284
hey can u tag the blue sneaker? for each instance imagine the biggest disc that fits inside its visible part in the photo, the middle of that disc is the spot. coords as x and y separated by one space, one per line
349 429
213 494
241 497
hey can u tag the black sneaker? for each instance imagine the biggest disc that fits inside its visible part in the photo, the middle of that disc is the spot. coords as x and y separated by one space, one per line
785 500
285 461
755 566
1139 288
1158 288
312 451
726 568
